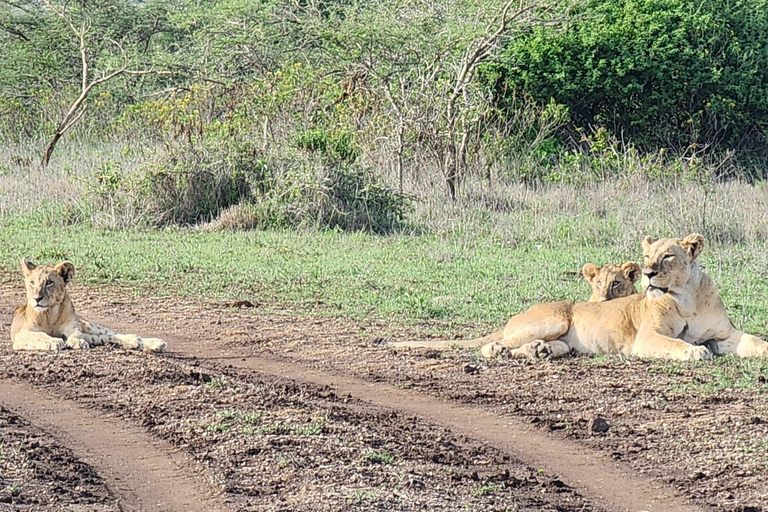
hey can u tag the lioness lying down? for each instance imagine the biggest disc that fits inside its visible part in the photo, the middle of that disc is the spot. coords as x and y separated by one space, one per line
679 312
48 320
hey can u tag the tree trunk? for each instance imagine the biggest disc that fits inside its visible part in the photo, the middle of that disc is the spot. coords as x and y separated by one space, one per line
399 152
49 149
451 171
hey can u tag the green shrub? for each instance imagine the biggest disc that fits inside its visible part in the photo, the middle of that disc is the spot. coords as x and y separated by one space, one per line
663 73
335 146
235 184
190 186
338 196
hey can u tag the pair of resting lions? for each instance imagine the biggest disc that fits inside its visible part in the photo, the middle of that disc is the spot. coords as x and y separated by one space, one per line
48 321
679 316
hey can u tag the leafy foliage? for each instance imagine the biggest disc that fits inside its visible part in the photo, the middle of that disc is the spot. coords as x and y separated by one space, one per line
663 73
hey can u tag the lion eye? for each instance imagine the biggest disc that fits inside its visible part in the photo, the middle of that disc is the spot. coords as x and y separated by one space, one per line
668 257
600 284
615 284
48 283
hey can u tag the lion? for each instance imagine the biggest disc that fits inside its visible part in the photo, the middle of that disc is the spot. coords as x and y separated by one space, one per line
680 316
48 321
612 280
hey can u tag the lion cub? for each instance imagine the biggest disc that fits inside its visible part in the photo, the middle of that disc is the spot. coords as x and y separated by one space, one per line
611 281
48 320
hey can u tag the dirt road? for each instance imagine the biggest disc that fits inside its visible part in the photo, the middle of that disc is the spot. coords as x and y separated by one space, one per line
236 389
139 474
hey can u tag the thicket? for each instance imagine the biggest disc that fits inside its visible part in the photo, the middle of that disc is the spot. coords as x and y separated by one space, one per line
659 73
336 113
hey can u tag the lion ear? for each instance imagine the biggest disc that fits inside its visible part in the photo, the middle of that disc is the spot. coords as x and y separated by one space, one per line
631 270
647 241
693 244
66 270
27 266
589 271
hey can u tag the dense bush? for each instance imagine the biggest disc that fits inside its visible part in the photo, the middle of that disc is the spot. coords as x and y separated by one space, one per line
235 186
661 73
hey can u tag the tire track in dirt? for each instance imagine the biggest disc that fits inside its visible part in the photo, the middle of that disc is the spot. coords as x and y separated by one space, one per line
591 473
142 475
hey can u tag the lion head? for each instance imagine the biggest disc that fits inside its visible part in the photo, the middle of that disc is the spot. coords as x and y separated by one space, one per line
46 284
612 280
667 262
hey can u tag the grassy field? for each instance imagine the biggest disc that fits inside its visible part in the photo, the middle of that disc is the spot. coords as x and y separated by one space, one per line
471 265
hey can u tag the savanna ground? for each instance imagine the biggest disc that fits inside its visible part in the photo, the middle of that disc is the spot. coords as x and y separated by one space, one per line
326 299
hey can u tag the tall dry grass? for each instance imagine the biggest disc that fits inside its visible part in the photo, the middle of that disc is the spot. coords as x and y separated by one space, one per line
615 212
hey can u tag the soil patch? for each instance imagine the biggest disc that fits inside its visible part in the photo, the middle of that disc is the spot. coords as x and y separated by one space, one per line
269 443
38 473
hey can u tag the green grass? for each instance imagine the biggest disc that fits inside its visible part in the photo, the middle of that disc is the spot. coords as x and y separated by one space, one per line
249 418
218 427
252 423
215 383
379 457
438 278
488 489
280 428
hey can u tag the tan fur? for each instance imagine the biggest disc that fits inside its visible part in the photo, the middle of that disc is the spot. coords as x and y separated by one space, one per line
608 282
48 321
679 312
611 281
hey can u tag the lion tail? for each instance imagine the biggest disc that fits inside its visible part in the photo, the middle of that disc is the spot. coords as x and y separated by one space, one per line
477 342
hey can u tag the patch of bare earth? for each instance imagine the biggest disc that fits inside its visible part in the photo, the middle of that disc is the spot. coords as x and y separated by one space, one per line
37 473
665 421
270 444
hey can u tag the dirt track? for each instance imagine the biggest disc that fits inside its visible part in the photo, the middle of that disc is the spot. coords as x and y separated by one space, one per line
271 351
139 473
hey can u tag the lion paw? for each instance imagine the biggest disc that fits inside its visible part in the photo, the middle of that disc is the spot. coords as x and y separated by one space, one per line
127 341
57 344
540 349
696 353
77 342
154 344
492 350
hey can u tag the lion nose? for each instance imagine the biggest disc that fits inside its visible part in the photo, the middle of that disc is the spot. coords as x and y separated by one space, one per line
39 298
650 273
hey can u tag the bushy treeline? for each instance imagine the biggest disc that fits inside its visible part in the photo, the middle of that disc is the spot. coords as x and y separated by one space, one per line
274 102
662 73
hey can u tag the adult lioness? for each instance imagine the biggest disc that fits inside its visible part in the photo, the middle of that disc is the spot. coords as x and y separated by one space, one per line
48 320
679 311
612 280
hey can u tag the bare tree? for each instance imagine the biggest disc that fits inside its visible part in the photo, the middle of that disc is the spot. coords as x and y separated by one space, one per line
79 106
460 119
428 78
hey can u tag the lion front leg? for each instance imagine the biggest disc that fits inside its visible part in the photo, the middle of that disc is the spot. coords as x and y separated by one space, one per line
95 334
102 335
134 342
742 344
33 340
653 345
78 340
